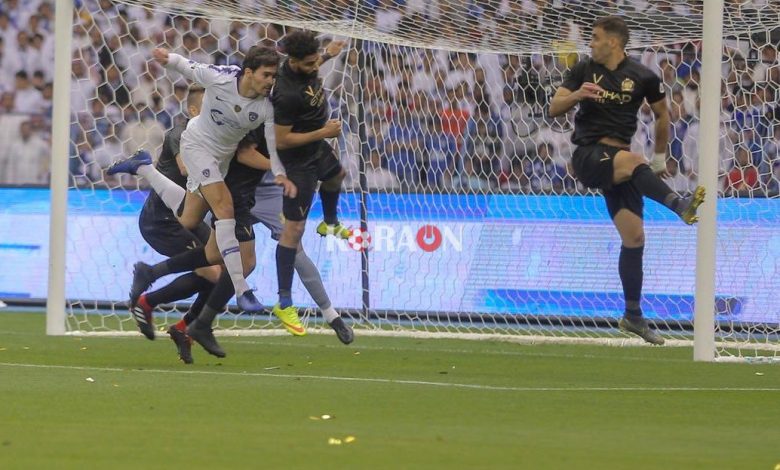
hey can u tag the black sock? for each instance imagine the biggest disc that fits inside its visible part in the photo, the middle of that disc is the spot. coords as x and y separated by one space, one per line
178 289
190 260
650 185
330 204
285 267
198 304
630 269
220 295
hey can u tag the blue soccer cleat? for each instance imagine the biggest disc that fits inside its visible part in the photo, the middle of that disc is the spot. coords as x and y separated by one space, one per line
249 303
130 164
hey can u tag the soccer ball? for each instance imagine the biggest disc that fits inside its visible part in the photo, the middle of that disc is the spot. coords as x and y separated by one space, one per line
359 240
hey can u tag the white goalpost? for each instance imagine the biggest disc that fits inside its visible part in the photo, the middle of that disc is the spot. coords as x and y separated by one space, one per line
478 228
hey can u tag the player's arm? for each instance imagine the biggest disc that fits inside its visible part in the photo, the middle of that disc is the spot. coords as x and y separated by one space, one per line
287 139
655 95
180 164
565 99
333 49
248 155
202 74
573 90
662 125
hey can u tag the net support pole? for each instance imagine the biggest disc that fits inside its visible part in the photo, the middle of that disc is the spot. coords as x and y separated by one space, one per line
361 111
55 302
709 159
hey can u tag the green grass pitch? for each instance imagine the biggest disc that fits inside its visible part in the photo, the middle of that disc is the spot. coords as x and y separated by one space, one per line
81 403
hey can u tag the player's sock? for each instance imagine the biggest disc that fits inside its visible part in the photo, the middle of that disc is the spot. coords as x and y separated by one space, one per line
311 279
231 254
219 297
180 288
630 269
187 261
171 193
330 204
285 265
198 304
652 186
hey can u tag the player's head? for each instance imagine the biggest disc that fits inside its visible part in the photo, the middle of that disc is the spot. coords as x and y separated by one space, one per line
194 99
610 36
302 46
259 66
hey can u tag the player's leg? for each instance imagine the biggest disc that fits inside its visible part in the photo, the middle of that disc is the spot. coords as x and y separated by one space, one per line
331 174
200 329
268 211
167 237
295 211
311 279
629 166
173 195
625 206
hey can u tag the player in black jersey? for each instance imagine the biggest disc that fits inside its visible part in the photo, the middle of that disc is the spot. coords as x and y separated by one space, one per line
609 88
160 228
301 121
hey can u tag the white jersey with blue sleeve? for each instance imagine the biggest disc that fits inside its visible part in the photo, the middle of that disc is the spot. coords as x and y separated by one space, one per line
225 117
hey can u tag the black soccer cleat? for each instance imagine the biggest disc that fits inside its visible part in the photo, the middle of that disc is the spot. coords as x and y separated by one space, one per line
205 337
343 331
641 328
142 280
142 314
183 344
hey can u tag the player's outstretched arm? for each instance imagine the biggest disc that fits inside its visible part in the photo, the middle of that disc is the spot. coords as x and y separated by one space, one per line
161 55
202 74
566 99
333 49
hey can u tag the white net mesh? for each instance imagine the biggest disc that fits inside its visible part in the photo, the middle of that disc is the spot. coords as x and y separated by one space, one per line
477 224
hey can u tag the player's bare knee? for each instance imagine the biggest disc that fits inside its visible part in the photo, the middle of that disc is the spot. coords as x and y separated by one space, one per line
633 239
209 273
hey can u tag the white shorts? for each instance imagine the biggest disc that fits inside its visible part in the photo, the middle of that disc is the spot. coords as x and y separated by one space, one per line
203 165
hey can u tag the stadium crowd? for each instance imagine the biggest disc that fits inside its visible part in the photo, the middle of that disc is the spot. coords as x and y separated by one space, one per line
432 119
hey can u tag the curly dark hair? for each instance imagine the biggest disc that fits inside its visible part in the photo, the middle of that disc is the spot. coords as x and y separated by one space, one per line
259 56
301 43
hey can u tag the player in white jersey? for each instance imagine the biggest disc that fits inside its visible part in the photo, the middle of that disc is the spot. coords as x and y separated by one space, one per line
235 102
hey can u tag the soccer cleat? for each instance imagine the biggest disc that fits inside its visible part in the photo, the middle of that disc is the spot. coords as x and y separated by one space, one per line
290 320
183 344
205 337
641 328
343 331
130 164
249 303
688 215
337 230
142 280
142 314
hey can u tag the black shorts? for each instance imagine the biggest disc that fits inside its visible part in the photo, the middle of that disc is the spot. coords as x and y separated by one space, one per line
324 167
168 237
244 221
594 165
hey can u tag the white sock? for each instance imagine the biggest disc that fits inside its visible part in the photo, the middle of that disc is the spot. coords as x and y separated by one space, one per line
171 193
330 314
231 254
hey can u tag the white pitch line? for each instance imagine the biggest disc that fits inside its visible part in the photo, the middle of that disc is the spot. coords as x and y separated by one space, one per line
401 382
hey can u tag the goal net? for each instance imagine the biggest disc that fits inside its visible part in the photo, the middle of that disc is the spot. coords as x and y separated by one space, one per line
455 170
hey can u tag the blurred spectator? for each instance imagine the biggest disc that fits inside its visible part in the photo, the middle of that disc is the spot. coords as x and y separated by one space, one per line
546 176
473 177
27 161
378 177
743 177
28 99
